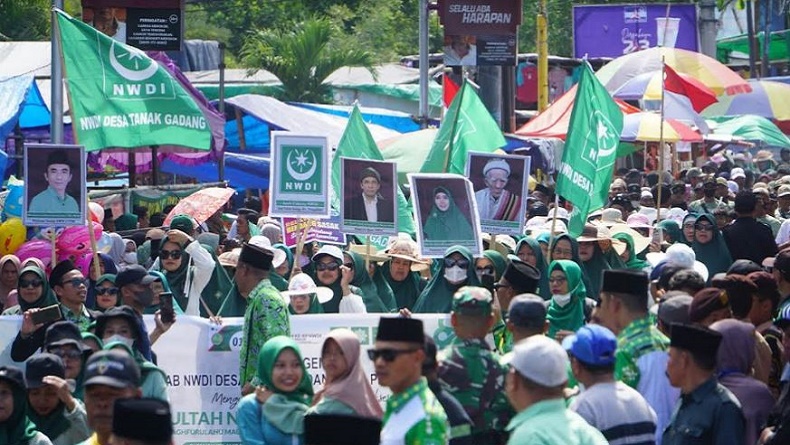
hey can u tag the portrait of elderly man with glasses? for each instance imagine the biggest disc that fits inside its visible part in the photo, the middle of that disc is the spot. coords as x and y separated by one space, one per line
495 201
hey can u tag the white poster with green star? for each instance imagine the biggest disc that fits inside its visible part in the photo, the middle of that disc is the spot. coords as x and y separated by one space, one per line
299 183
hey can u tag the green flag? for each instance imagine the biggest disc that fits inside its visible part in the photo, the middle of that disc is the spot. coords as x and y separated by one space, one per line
120 97
357 142
590 149
468 126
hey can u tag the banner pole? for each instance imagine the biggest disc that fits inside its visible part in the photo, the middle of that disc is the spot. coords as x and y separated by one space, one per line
54 258
553 224
661 144
299 243
367 255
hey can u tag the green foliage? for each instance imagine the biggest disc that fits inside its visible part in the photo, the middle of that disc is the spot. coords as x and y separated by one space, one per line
24 19
302 56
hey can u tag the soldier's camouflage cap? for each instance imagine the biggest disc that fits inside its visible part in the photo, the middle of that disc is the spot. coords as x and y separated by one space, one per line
472 300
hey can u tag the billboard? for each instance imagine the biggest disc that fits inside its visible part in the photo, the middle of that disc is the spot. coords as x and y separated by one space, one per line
480 32
150 25
616 30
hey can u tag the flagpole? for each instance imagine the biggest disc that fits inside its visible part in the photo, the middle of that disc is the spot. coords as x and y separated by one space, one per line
56 77
661 143
553 223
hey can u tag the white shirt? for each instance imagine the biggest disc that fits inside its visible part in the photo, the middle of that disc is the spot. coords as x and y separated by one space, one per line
370 208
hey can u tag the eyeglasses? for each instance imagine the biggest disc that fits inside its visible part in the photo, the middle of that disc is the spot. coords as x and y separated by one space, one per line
388 355
326 266
76 282
558 280
463 263
30 283
488 270
174 254
107 290
66 353
703 227
349 265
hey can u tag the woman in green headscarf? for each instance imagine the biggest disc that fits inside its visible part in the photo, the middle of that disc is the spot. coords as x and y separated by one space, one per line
687 228
672 232
376 299
445 221
528 250
565 247
593 261
401 272
15 427
456 270
543 239
33 292
632 261
275 416
284 269
566 308
709 245
491 263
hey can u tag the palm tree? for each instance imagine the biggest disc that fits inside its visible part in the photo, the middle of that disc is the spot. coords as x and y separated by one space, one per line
302 58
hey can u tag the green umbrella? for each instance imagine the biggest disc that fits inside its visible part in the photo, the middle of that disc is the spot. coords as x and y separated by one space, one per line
752 128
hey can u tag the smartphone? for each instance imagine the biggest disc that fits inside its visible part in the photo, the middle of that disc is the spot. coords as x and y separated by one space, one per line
658 235
166 307
46 315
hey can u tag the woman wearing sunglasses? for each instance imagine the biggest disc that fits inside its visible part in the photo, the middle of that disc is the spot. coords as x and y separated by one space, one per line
347 388
34 293
274 414
106 293
709 245
85 265
456 269
189 268
329 271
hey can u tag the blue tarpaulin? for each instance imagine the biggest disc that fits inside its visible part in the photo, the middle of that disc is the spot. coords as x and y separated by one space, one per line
242 171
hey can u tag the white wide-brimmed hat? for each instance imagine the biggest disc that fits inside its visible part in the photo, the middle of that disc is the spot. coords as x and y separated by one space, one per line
266 244
302 284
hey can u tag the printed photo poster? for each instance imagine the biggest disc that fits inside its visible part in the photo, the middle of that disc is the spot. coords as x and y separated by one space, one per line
501 185
55 193
368 201
299 183
445 212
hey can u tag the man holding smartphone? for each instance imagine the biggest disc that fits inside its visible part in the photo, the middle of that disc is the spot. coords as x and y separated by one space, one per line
135 288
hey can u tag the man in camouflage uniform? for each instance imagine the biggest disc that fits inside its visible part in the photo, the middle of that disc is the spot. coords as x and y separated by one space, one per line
709 203
471 371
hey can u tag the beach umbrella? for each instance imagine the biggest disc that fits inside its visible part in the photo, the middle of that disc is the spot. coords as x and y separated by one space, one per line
767 99
646 127
647 86
710 72
751 128
201 204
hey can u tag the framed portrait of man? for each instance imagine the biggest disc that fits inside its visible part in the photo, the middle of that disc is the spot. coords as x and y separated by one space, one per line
445 213
368 197
55 193
501 185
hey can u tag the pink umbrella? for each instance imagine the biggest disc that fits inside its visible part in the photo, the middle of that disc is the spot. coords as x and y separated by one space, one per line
201 204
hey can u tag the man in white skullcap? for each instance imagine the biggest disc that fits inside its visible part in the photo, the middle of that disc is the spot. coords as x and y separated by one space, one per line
494 201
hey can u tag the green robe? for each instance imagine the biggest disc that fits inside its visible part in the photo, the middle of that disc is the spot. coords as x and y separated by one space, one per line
438 295
407 291
714 254
571 316
543 285
377 299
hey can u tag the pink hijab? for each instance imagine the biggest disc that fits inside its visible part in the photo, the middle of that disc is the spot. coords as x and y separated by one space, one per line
353 389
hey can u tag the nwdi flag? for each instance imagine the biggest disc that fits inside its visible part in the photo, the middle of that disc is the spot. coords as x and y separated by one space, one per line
122 98
590 149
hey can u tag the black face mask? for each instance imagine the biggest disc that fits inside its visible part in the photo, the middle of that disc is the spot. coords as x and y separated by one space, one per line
145 297
709 193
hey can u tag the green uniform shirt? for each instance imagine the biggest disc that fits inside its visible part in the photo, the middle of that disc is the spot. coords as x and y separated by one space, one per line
48 201
503 338
709 414
415 417
550 422
700 206
266 317
637 339
473 374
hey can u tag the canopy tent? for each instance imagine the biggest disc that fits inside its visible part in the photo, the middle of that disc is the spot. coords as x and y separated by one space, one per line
394 120
554 121
751 128
736 48
264 114
242 171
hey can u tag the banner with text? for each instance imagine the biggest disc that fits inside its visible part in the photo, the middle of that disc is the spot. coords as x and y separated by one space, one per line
202 364
150 25
480 32
616 30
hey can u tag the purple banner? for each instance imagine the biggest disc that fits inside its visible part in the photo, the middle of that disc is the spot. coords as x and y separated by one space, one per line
616 30
325 231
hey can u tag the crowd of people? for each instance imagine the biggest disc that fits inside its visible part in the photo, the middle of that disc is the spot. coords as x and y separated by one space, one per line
666 321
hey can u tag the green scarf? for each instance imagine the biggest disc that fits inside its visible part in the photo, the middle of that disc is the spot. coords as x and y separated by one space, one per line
575 257
18 429
672 229
151 309
448 225
375 301
571 316
407 291
47 297
634 262
498 260
438 295
146 367
594 268
289 258
284 410
533 244
234 305
53 424
613 259
216 289
713 254
315 307
279 283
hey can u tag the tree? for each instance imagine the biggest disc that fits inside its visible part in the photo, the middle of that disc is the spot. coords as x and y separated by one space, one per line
24 19
301 57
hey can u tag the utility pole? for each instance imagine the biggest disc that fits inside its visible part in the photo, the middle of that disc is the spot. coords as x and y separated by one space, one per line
707 27
424 97
56 78
750 35
543 56
767 6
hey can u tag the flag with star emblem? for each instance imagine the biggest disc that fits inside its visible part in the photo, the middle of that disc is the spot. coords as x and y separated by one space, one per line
468 126
357 142
590 150
121 98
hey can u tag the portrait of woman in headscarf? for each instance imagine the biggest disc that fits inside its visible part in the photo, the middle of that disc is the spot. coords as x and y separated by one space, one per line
445 221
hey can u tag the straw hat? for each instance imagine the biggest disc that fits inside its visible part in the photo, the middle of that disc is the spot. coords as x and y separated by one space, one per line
302 284
362 250
503 244
597 232
641 242
406 249
230 259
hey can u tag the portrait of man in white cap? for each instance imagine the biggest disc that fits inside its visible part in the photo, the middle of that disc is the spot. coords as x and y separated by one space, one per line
495 201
